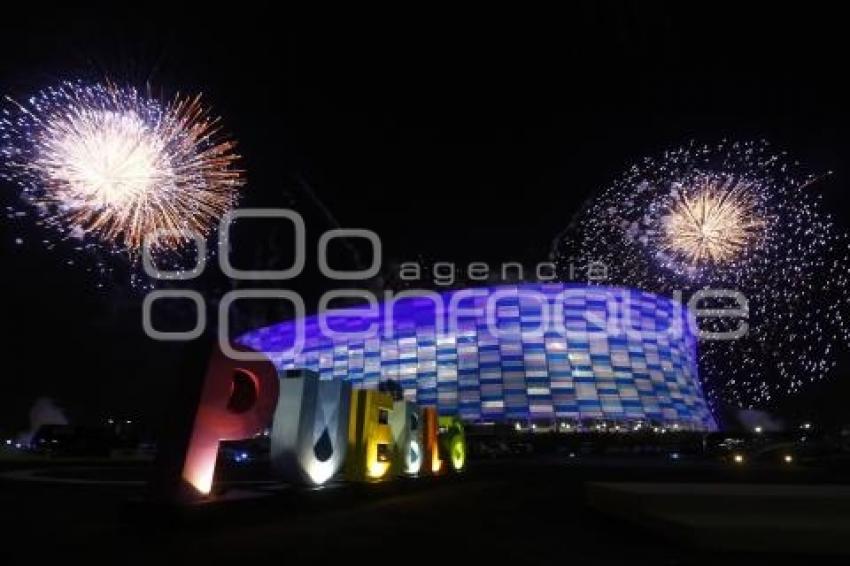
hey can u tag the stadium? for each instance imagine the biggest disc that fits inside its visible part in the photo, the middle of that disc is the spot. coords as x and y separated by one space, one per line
522 354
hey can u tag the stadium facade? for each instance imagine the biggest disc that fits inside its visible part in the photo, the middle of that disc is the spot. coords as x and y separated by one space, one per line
516 353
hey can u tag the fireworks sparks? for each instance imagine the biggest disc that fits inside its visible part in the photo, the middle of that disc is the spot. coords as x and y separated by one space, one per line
106 163
734 216
716 224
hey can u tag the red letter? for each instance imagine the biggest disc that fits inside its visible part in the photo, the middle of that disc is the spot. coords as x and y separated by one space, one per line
237 401
431 440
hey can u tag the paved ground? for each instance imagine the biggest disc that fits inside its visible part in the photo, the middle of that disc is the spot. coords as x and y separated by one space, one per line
523 512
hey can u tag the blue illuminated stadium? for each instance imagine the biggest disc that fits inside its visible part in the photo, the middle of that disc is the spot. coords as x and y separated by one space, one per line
547 352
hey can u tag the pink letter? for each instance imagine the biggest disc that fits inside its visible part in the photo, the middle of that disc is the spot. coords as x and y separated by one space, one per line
237 401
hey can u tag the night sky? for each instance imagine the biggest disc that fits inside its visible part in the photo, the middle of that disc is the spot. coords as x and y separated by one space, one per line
456 139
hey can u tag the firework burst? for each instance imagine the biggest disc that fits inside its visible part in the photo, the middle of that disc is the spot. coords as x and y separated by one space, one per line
714 225
735 216
108 164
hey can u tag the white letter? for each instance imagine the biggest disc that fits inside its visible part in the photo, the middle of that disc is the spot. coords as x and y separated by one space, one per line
741 310
414 267
370 312
478 271
447 278
342 275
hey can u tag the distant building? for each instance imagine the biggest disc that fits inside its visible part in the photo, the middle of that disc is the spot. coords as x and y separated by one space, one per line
545 352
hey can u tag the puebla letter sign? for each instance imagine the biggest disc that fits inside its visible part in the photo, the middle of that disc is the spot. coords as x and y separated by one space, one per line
320 429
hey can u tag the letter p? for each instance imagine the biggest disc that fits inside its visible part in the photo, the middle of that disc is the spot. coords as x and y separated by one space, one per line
237 401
